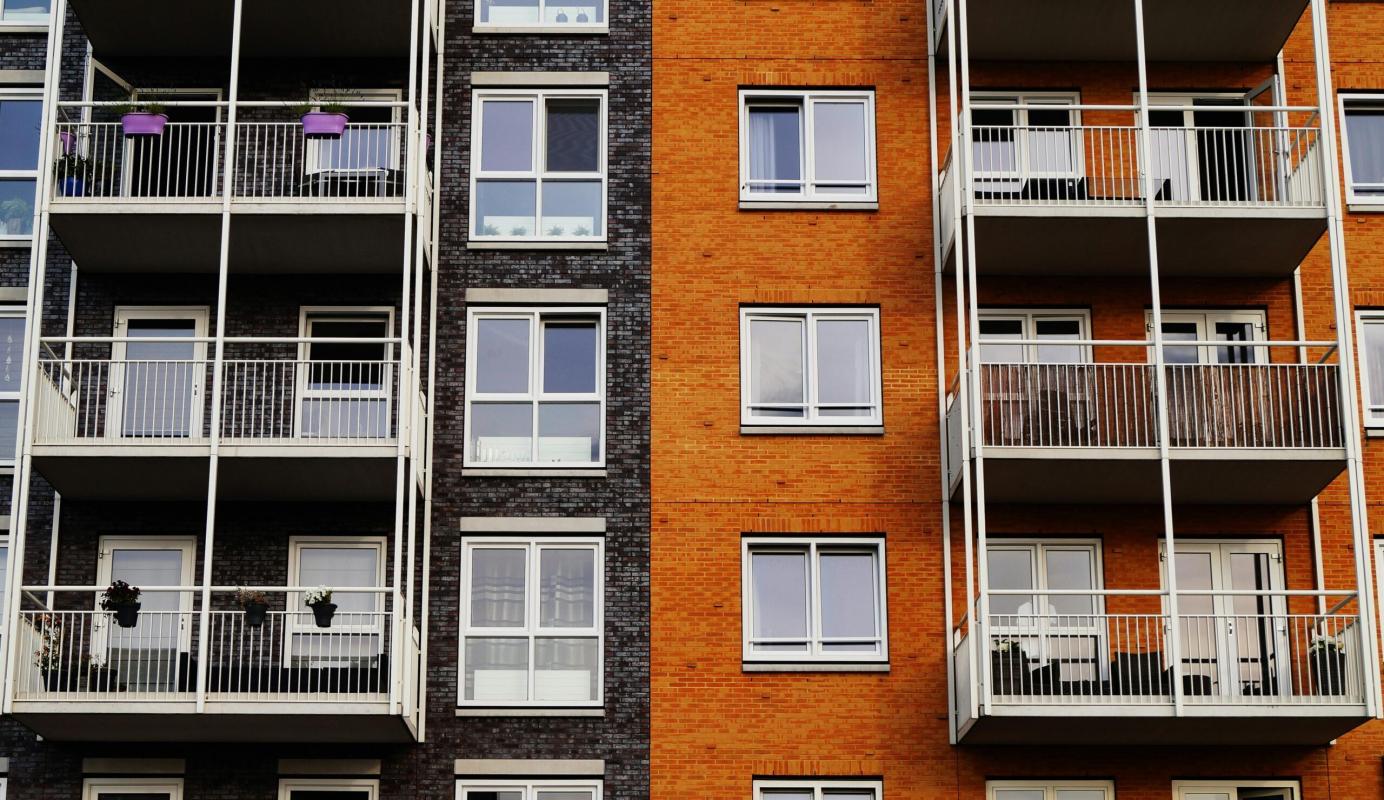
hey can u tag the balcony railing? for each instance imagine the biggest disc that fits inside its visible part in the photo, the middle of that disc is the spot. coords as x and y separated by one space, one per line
86 656
1102 165
1078 653
306 401
1112 405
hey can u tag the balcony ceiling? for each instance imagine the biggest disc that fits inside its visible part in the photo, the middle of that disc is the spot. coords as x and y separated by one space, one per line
223 722
1210 725
1103 30
271 29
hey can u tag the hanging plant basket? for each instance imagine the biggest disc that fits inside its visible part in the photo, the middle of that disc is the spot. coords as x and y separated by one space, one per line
324 124
323 613
255 614
126 614
143 123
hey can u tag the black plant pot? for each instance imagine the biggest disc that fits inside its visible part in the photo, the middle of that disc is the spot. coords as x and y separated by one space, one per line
254 614
102 679
58 679
1329 671
1009 672
324 612
126 614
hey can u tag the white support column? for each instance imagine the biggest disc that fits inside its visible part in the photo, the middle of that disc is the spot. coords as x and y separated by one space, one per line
38 257
1160 378
1345 339
214 439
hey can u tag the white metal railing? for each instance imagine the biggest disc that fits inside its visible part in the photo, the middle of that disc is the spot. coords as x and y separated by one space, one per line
1112 405
947 208
273 160
264 400
1103 165
99 161
1097 658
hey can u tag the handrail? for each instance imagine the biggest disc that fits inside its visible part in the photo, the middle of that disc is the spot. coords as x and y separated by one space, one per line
343 589
226 339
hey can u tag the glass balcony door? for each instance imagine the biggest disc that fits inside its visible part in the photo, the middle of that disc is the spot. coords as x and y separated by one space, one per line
151 656
156 387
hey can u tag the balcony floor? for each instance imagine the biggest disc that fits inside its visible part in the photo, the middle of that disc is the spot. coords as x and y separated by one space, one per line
1131 475
266 238
1088 241
1131 724
177 721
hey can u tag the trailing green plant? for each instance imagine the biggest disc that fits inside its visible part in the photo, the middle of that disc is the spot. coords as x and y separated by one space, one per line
119 593
140 107
47 655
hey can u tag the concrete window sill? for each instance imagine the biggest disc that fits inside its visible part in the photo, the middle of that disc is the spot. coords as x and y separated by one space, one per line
537 246
487 472
790 205
811 430
541 30
807 666
530 712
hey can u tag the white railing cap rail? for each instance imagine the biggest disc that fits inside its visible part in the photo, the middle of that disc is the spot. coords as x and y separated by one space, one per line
341 589
228 339
988 103
239 104
1166 343
1163 592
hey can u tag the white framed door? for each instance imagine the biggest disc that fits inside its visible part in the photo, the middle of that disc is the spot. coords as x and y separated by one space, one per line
372 142
1015 145
1205 153
345 390
149 656
1235 790
356 637
1231 646
182 162
155 389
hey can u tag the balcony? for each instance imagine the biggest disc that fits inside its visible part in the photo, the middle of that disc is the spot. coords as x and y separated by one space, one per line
78 673
1241 199
1088 433
291 427
1101 30
1269 677
153 203
302 29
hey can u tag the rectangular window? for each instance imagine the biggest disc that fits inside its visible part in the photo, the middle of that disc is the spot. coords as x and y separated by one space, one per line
1049 790
529 790
807 146
1236 790
814 599
1016 325
816 789
1363 135
1220 326
1064 631
356 636
535 387
21 118
532 621
24 12
132 789
1370 341
12 327
329 789
810 367
584 14
345 387
1024 152
538 165
368 152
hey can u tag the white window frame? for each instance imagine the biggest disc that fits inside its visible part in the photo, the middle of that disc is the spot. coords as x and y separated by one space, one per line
531 630
809 317
1181 788
10 311
93 788
1029 318
369 785
1044 629
541 25
1206 320
309 314
535 396
810 192
528 788
21 93
817 786
1343 103
4 596
299 619
1050 788
537 172
313 152
1023 171
16 25
3 784
1373 416
812 547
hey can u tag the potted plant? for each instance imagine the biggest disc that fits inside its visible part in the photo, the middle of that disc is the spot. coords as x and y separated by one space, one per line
255 604
142 119
320 601
75 175
48 654
67 141
122 599
324 119
100 677
1008 667
1328 661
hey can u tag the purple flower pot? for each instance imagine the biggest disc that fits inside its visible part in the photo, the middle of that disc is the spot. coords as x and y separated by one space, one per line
324 124
68 140
142 123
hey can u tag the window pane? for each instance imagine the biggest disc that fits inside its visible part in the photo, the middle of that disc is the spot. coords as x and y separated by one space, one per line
569 432
1234 332
501 432
509 12
569 357
1374 361
1058 330
502 356
1365 130
776 362
11 352
4 564
9 429
991 329
497 670
497 587
1181 332
574 131
1070 569
566 588
572 208
848 599
17 206
329 794
1010 569
341 566
775 142
1018 794
583 13
506 208
788 794
507 134
1080 794
839 145
843 363
28 11
580 794
486 795
565 669
849 794
20 121
779 599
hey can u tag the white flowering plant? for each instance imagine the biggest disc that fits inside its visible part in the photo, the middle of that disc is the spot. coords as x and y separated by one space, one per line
1323 643
1007 646
318 596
